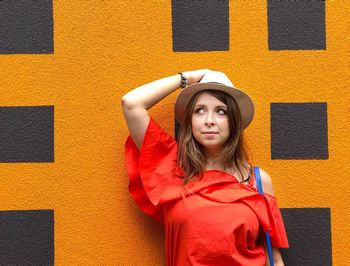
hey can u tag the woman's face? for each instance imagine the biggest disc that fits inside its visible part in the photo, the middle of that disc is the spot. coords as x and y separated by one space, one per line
210 126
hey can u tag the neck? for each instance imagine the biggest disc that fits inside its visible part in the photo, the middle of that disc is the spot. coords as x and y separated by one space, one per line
212 160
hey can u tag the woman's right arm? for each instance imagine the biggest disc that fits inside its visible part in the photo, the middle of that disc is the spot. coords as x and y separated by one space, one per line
136 102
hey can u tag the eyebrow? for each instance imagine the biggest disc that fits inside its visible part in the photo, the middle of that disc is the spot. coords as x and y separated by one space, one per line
220 106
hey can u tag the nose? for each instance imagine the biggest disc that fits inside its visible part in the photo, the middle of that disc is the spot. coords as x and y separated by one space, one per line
209 121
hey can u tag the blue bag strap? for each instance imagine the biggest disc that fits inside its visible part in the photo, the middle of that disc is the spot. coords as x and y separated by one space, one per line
260 190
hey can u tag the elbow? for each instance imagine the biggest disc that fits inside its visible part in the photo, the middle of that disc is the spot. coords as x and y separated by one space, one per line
124 100
129 103
126 103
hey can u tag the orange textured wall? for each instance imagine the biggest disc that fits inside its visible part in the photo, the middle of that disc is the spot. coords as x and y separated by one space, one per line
102 49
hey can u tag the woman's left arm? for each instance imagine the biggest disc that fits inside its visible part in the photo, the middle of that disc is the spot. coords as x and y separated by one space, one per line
266 182
276 255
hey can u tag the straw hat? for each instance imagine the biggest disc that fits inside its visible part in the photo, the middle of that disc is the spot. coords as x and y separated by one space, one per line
215 80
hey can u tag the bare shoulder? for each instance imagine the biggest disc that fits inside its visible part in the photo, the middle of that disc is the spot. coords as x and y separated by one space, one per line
266 182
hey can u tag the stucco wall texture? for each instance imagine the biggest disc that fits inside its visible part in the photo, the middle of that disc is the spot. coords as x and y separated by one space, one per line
103 49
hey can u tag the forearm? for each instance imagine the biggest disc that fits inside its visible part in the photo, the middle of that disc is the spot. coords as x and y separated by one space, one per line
151 93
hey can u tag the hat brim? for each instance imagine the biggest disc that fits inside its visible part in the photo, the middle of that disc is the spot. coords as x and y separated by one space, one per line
244 102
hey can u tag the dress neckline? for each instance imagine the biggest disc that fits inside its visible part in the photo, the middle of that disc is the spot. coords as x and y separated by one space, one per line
227 173
223 172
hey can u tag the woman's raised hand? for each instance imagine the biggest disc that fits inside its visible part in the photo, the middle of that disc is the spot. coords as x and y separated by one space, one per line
195 75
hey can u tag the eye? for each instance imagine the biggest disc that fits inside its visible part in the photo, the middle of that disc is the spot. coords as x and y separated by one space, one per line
222 112
199 110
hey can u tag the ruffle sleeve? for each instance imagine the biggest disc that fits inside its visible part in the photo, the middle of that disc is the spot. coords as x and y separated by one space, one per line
277 230
151 169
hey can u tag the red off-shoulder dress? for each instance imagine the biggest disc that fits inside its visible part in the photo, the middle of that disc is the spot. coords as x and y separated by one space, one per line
214 221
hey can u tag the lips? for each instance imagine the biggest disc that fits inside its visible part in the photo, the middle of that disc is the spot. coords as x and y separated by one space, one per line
210 134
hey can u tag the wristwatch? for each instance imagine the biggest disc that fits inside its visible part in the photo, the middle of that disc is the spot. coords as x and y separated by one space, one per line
184 81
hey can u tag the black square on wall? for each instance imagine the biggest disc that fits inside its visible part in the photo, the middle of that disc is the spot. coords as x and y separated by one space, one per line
27 134
200 25
309 236
299 131
26 27
27 237
296 24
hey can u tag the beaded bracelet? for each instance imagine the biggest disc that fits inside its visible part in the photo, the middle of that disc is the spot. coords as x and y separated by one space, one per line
184 81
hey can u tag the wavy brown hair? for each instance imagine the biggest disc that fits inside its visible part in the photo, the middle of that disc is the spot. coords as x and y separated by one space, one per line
190 155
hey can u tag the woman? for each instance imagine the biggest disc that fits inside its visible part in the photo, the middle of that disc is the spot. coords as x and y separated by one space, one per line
203 188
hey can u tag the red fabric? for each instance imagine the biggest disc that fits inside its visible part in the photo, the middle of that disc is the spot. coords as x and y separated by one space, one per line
214 221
